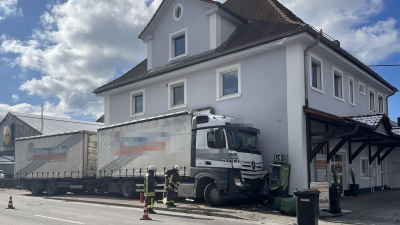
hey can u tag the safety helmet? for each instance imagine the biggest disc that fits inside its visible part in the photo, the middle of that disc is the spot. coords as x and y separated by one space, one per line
177 167
152 167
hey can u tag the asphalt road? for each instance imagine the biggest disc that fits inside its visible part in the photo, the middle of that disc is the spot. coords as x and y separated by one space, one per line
39 210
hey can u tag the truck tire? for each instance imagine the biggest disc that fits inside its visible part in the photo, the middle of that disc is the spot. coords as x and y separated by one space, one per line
212 195
127 190
35 188
51 188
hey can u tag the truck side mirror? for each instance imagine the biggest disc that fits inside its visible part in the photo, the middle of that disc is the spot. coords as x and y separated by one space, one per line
219 139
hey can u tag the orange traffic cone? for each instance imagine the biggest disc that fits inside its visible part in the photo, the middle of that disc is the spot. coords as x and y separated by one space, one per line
146 213
10 204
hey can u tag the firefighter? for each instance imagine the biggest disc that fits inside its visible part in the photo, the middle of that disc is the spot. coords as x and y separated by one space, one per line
172 185
149 188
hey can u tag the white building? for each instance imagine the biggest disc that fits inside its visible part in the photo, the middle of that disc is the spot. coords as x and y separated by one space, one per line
256 60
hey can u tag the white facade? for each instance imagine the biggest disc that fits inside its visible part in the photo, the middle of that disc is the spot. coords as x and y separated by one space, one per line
274 80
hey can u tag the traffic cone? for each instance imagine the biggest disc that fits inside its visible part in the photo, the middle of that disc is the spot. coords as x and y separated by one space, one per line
146 213
10 204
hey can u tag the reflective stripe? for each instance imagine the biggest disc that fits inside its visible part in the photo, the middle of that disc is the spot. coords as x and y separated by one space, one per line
149 194
147 183
170 178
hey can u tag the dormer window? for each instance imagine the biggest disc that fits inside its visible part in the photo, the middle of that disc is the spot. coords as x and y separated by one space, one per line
178 12
178 44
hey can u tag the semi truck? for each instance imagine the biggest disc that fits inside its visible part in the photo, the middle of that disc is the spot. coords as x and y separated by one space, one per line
219 158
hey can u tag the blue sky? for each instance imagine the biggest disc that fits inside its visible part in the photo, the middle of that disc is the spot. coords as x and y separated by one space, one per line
56 52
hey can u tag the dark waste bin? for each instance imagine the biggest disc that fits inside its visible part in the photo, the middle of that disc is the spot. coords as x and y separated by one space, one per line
307 206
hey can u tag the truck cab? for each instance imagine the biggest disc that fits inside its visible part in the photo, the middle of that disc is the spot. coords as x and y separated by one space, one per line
228 159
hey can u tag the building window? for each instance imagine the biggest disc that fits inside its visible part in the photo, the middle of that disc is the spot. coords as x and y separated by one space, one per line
177 94
316 74
361 88
338 84
371 101
380 104
178 11
364 167
351 91
137 103
178 44
228 82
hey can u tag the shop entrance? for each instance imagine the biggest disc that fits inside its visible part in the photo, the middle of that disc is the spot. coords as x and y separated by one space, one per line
338 163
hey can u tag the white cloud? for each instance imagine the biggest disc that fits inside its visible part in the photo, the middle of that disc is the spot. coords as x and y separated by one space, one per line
48 109
354 24
15 97
79 47
9 8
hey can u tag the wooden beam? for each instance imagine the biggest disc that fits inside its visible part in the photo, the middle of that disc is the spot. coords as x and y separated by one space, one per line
364 140
318 148
358 151
380 159
380 149
336 148
323 133
369 154
350 149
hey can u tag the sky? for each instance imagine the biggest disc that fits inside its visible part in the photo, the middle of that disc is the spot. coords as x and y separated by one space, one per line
56 52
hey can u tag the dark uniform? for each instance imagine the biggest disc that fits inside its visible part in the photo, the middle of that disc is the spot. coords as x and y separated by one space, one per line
171 178
149 190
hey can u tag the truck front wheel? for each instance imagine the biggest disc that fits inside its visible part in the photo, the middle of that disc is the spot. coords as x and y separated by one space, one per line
212 195
127 190
35 188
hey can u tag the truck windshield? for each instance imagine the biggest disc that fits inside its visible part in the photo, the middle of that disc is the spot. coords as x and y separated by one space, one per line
243 141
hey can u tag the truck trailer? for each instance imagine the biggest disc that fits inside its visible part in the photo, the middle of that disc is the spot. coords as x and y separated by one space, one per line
219 158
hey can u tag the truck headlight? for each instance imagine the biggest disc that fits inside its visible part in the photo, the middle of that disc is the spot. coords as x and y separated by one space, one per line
238 182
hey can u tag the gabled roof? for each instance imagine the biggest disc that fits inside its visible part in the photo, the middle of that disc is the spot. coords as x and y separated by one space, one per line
164 4
266 21
53 125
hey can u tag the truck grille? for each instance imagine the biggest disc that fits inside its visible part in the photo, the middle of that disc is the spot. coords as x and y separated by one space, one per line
252 183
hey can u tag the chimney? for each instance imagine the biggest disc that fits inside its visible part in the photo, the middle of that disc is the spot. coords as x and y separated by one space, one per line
336 42
398 121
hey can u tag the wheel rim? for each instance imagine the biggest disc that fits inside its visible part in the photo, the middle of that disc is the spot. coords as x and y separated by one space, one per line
126 188
214 194
51 188
34 187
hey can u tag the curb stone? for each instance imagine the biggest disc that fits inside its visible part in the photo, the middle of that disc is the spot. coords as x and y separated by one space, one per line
179 210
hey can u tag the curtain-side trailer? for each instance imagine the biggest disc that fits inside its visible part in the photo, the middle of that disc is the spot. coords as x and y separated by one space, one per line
56 163
219 158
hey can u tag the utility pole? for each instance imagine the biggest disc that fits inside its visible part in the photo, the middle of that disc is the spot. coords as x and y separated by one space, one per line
41 129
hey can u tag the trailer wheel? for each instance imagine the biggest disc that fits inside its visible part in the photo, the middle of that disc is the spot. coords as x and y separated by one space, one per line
35 188
212 195
127 190
51 188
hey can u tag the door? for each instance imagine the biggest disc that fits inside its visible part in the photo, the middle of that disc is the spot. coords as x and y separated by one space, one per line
338 164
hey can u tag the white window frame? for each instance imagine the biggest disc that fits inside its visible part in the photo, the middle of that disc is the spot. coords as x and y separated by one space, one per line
172 44
319 60
361 84
132 95
219 73
364 175
173 12
339 72
369 100
354 97
383 103
171 85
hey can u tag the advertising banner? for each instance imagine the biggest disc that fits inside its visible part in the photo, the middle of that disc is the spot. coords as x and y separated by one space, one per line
323 187
8 135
